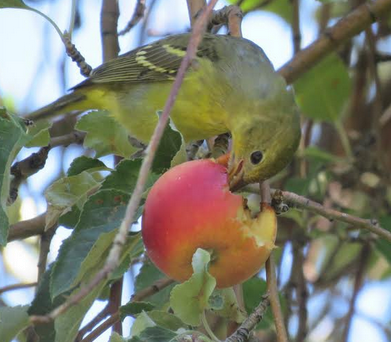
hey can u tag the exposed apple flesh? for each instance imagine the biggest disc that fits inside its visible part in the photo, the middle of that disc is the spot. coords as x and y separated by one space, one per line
191 207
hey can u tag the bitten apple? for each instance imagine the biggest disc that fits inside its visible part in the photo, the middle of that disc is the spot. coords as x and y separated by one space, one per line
191 207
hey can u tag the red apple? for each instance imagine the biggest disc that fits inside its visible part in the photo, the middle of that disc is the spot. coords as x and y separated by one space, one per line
191 207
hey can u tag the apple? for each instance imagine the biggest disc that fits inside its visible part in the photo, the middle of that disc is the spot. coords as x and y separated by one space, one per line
190 207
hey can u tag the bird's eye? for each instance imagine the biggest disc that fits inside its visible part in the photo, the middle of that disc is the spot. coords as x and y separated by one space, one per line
256 157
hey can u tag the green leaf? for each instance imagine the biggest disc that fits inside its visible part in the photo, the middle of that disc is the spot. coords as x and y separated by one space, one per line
253 290
230 308
39 134
125 175
12 137
12 321
102 213
84 163
67 325
13 4
298 185
166 320
117 338
190 299
134 308
147 276
63 194
156 334
322 92
105 135
142 322
42 305
169 145
315 153
381 244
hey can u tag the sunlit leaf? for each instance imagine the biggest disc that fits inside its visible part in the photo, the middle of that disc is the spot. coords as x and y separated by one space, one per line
63 194
190 299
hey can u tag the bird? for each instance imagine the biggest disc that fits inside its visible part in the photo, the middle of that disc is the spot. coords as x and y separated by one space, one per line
230 86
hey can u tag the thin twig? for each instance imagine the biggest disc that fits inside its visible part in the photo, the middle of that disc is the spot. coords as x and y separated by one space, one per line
136 17
358 282
243 332
332 214
44 249
301 291
274 300
121 236
355 22
145 293
151 290
102 328
298 201
75 55
296 34
16 287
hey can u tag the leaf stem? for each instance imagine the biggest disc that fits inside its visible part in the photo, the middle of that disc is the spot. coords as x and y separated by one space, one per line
344 139
207 328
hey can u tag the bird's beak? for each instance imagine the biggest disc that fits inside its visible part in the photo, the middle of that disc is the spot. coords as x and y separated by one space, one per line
235 173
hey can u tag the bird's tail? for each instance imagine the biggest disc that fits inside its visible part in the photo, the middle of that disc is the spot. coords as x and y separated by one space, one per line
67 103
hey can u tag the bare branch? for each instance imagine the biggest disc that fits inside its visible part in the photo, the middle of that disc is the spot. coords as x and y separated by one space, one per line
372 225
24 229
25 168
346 28
194 7
147 292
274 300
16 287
108 22
136 17
244 331
358 282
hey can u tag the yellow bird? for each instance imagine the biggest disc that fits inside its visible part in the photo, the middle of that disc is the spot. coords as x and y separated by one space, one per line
230 86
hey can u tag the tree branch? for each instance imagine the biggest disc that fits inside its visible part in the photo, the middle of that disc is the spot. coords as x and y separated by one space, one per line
355 22
147 292
136 17
295 200
16 287
244 331
24 229
108 27
274 300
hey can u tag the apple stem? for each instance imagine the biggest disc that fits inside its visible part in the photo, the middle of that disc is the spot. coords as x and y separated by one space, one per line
207 328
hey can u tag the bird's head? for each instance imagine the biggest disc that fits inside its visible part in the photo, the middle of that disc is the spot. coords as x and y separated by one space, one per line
263 147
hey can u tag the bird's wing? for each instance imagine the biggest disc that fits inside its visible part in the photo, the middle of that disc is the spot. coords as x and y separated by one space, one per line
155 62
